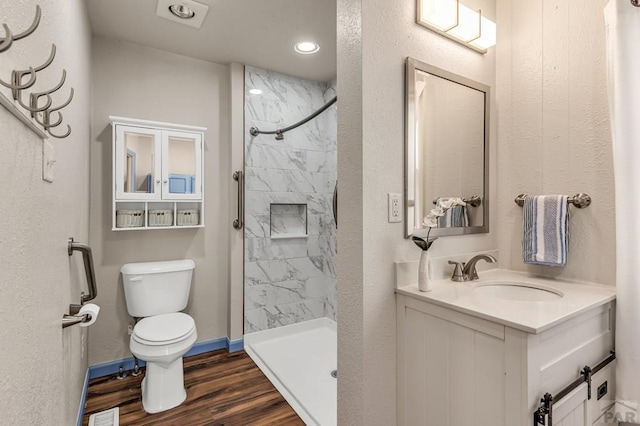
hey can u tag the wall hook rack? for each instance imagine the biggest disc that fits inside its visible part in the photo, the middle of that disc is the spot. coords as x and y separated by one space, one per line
38 115
16 78
60 136
33 107
57 86
9 37
7 41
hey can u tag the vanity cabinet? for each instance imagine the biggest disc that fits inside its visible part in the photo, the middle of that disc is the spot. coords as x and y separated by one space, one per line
157 175
456 369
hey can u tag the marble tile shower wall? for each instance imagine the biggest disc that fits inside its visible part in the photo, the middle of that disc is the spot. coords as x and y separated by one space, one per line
289 280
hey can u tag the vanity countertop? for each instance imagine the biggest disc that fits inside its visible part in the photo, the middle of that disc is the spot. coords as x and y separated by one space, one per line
529 316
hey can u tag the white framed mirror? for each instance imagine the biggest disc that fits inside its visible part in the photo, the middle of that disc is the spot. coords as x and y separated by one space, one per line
446 150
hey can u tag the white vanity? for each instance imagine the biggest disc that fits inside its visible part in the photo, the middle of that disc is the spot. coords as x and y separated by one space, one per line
483 353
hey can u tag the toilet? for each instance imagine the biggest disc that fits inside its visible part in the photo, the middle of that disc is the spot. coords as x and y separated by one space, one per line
155 293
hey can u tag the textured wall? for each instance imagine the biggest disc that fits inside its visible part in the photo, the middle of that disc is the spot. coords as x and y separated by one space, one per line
43 367
554 128
374 39
138 82
289 280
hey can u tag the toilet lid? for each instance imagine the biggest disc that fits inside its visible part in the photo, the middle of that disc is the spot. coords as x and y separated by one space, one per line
163 328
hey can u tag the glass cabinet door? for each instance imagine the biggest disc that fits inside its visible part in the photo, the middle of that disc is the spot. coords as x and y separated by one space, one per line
137 157
182 166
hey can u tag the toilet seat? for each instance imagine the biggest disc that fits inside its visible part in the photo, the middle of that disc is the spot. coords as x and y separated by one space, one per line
163 329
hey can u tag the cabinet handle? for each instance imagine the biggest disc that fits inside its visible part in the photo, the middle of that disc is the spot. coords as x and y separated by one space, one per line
239 177
158 181
164 181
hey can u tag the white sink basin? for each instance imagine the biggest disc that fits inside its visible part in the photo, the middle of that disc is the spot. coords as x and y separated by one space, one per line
520 291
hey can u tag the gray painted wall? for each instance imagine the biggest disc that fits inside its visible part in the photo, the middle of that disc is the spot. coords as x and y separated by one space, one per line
138 82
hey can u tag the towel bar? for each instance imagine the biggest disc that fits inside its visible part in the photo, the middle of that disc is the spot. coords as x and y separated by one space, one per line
580 200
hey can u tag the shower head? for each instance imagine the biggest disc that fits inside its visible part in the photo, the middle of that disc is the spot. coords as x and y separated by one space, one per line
279 135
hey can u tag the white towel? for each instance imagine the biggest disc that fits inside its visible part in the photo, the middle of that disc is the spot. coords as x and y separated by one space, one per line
545 238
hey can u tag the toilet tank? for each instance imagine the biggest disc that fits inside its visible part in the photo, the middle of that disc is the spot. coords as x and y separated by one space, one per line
154 288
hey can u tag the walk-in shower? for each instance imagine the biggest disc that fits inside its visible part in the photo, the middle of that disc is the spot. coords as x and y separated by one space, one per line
290 293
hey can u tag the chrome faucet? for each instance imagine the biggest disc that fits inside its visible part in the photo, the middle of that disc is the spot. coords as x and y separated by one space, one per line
467 271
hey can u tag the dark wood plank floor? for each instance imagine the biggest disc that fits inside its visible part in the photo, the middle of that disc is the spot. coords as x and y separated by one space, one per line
222 389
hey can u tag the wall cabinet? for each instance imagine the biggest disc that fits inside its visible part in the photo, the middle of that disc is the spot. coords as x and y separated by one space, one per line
455 369
158 179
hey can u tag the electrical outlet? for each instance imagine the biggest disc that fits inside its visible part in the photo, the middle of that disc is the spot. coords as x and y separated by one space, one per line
394 208
130 329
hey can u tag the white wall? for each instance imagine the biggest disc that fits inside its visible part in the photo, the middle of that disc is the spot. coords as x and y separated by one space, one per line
374 39
43 366
553 124
138 82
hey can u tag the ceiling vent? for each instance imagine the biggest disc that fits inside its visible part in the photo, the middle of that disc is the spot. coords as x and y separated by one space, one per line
187 12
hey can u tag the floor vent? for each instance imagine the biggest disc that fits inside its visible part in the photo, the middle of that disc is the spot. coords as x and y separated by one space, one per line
106 418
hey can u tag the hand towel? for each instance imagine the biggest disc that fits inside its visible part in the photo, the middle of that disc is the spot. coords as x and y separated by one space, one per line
545 226
454 217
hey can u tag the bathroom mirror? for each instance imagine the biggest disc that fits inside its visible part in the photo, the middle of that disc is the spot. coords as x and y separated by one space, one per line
446 150
139 164
182 158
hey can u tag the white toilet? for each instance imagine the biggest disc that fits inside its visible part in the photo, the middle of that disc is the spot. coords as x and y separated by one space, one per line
157 292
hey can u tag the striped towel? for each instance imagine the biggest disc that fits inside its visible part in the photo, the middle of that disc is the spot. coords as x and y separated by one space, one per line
455 217
546 230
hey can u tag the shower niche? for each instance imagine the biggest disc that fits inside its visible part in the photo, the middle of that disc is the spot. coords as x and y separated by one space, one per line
157 175
288 221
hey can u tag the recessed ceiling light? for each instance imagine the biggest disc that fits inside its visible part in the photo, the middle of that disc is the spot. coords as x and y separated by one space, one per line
182 11
255 91
186 12
306 47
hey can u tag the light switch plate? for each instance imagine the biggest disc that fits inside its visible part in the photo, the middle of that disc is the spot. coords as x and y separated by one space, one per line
395 203
48 161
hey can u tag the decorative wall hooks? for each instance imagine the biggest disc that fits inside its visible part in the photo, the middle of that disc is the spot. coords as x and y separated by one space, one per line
40 107
9 37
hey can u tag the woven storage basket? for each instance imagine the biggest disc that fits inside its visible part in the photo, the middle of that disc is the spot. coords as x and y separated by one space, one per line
160 217
129 218
190 217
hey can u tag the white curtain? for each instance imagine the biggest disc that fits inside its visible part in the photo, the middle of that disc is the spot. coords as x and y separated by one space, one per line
623 62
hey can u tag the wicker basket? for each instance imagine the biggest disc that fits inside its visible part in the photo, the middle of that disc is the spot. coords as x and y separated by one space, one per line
190 217
129 218
160 218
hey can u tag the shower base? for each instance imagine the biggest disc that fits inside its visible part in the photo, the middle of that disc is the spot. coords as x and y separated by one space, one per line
299 359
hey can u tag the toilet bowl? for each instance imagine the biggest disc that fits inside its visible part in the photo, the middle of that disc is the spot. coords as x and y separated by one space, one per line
161 341
155 293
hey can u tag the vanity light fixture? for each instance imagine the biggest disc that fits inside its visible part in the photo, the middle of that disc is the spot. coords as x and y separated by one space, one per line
457 22
306 47
182 11
255 91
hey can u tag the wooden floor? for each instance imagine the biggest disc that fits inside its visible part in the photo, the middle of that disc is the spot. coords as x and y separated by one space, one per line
222 389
